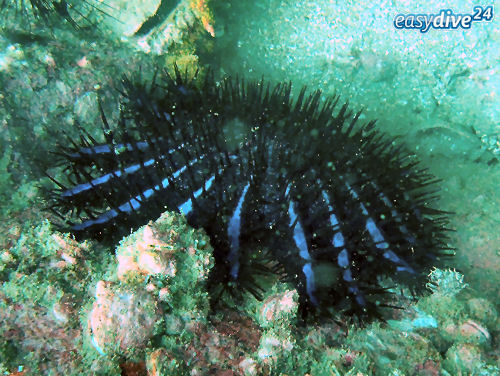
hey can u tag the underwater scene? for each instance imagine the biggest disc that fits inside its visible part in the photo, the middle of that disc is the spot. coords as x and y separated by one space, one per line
266 187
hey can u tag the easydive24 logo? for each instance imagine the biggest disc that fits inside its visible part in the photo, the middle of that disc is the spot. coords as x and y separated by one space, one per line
445 19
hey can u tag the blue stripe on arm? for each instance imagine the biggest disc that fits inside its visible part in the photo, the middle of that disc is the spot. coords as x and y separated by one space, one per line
233 232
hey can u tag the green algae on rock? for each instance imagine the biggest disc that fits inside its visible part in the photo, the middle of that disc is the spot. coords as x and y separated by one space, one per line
157 294
44 278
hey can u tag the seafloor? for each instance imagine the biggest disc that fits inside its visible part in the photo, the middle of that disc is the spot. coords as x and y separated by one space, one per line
69 308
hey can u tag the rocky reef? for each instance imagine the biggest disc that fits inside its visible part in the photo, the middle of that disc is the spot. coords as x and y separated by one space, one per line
66 309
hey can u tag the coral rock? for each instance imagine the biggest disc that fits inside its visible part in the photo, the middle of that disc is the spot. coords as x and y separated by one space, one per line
69 251
155 362
121 318
248 367
463 359
279 305
146 256
482 310
272 347
472 332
